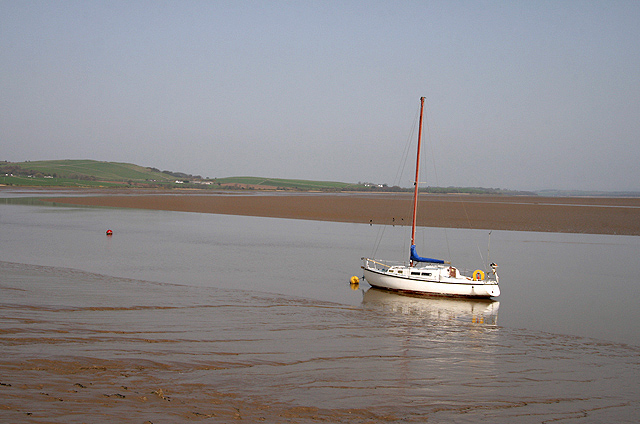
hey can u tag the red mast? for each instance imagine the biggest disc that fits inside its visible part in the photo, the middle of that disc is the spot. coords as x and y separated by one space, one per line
415 190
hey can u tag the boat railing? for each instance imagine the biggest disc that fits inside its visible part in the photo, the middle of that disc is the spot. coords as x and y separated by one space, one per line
488 276
466 272
368 263
373 264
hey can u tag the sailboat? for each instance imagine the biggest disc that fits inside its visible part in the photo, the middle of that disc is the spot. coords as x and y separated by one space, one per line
426 275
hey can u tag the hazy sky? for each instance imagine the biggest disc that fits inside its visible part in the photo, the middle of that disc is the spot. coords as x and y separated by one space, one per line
520 94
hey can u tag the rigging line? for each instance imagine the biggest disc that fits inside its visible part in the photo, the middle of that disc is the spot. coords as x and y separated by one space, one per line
488 252
407 235
462 201
466 214
488 249
378 240
435 168
433 155
398 178
435 171
407 147
481 257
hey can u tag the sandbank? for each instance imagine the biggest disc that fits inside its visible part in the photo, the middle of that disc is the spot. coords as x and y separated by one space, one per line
591 215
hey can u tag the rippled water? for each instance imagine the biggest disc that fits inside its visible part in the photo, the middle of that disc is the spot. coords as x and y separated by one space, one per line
181 317
136 350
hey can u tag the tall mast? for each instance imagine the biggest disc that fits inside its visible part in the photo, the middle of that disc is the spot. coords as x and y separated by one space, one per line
415 189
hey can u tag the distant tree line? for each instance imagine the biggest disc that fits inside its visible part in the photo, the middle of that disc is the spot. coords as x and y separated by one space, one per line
476 190
440 190
16 170
180 175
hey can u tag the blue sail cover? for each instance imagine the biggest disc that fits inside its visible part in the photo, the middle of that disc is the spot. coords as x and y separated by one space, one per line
416 258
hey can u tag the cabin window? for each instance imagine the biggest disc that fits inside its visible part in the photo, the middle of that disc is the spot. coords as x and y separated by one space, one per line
415 273
428 274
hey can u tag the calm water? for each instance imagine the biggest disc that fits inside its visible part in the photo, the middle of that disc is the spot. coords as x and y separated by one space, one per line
575 284
265 305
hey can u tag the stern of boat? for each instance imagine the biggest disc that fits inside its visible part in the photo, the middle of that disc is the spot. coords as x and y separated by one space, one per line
373 265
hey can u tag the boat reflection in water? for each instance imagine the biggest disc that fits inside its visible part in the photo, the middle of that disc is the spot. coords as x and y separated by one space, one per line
437 309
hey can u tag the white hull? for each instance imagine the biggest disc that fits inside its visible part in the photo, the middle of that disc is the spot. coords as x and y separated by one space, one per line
431 279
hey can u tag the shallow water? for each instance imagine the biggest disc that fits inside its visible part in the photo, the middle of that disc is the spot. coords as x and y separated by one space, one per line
135 350
185 316
576 284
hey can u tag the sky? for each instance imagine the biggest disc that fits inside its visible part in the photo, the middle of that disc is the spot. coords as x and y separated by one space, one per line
522 95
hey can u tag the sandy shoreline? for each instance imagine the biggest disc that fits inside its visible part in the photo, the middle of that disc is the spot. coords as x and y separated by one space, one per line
619 216
92 348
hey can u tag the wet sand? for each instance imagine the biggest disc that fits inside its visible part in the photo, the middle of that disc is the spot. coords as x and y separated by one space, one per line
593 215
94 348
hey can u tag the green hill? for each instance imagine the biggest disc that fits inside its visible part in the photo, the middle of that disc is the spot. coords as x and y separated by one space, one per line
79 173
91 173
91 169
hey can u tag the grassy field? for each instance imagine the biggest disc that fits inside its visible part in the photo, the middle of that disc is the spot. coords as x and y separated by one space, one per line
106 171
53 182
91 173
96 174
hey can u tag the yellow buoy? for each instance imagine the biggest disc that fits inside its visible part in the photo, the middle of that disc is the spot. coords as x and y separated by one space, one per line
354 280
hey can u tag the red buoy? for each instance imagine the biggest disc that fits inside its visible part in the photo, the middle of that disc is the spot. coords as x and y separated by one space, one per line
109 232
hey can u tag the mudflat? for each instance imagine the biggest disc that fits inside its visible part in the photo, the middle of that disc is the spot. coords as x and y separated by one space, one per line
590 215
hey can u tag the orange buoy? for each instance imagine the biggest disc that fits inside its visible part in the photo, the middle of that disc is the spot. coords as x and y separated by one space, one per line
109 232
